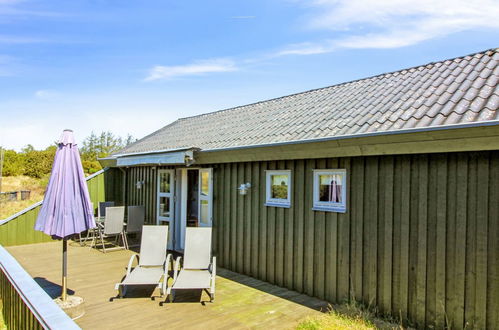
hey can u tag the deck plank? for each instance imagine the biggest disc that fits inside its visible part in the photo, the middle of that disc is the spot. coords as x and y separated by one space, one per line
241 302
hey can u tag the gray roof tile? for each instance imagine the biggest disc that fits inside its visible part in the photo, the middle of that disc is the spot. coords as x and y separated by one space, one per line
478 104
492 80
493 102
453 119
486 91
438 120
461 90
487 114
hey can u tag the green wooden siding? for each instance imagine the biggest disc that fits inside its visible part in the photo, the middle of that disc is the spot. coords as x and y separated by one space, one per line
103 187
145 196
419 239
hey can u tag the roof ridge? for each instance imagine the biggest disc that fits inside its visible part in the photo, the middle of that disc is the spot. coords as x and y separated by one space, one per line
495 49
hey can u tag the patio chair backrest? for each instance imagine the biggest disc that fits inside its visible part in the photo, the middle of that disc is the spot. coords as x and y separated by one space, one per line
113 224
197 253
153 245
102 208
136 216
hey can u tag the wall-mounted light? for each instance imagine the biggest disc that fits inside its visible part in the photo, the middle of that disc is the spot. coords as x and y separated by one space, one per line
140 184
189 160
243 188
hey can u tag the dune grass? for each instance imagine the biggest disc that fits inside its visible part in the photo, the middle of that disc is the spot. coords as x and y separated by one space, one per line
334 320
17 183
347 316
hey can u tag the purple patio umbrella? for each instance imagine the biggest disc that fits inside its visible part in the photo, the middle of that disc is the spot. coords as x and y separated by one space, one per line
66 209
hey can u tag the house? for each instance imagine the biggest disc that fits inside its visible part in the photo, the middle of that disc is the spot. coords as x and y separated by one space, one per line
384 190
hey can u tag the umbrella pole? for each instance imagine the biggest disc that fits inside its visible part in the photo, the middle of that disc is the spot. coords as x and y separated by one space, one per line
64 269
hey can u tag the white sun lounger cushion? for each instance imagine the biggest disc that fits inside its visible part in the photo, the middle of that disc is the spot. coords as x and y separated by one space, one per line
153 245
193 279
197 248
144 275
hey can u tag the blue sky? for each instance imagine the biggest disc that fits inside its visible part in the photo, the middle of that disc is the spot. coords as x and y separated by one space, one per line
134 66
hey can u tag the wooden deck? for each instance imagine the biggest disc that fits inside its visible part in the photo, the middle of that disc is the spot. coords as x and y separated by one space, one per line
241 302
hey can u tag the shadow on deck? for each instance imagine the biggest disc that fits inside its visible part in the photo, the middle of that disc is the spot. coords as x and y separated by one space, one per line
241 301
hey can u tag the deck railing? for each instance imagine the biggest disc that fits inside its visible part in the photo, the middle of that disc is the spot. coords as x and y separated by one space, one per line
25 304
18 228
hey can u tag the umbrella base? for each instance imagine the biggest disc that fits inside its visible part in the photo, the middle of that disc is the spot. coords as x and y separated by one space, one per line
74 306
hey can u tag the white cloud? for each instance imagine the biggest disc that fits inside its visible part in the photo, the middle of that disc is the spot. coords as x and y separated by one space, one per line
243 17
306 48
42 129
46 94
11 10
393 23
199 67
20 40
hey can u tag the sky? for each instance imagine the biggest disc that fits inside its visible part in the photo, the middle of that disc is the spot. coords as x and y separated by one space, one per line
134 66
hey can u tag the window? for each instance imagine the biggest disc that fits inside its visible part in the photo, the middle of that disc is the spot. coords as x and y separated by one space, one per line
165 195
278 188
330 190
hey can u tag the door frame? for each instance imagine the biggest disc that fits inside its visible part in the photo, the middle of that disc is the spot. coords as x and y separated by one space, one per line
181 216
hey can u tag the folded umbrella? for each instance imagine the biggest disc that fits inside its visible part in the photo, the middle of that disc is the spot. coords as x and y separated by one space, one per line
66 208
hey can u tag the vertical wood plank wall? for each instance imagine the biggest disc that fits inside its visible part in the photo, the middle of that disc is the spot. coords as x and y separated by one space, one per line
145 196
419 240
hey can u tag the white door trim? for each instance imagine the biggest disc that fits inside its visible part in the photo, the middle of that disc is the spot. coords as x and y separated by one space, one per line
183 208
183 200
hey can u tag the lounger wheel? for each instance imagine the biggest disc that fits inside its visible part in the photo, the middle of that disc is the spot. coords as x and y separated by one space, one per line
212 297
171 297
122 291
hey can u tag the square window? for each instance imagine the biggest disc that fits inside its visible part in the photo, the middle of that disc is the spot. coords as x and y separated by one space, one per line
330 190
278 190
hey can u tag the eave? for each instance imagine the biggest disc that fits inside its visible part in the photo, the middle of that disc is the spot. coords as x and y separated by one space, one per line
184 156
451 138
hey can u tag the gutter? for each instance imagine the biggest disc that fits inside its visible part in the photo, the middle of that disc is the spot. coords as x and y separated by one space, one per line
361 135
149 152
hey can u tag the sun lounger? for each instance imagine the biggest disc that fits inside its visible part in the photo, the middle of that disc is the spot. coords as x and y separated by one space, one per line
199 269
153 261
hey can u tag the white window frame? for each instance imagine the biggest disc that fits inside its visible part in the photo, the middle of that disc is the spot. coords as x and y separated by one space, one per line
170 195
208 198
277 202
330 206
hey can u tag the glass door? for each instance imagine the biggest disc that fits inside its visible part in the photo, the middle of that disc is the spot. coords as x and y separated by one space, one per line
166 196
205 197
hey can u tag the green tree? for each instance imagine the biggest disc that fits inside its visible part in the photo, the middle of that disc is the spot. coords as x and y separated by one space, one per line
28 148
102 145
99 146
13 163
38 163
